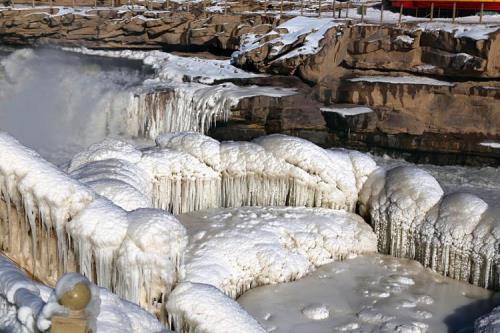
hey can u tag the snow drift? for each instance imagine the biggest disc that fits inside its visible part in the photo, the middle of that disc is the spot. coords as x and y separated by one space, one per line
456 234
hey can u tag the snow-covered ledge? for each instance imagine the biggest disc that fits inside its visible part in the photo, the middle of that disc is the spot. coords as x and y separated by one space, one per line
54 224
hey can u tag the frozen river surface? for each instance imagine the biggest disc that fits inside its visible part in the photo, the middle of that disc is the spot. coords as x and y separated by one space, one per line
371 293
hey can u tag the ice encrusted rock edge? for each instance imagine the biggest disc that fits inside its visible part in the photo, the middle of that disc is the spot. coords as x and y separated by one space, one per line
455 234
54 224
27 306
188 171
184 93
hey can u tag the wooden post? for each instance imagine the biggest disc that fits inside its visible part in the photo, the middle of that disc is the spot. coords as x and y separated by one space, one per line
347 10
225 7
301 7
333 8
454 12
319 8
188 6
362 12
382 13
416 11
340 11
112 3
432 11
481 13
73 3
281 8
33 4
400 13
265 6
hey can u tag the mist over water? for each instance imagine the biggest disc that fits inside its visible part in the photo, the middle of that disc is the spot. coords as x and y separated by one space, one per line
58 103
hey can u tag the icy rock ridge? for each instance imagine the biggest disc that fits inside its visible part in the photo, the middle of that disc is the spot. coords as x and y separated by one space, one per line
188 171
456 234
54 224
27 307
184 93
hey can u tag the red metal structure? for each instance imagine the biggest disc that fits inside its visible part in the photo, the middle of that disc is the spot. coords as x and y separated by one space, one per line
488 5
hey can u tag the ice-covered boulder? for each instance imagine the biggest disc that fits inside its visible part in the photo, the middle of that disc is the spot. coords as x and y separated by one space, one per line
54 223
202 308
456 234
396 201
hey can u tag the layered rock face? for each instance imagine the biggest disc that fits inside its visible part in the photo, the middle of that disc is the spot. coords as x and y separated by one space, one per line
393 71
112 28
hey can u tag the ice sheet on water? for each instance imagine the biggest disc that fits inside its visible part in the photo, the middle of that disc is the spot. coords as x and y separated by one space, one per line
370 293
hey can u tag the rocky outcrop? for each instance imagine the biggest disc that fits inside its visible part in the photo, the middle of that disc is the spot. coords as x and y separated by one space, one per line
114 29
466 52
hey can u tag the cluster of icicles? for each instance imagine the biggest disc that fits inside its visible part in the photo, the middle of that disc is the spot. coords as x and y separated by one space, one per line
189 171
172 109
100 222
53 224
456 234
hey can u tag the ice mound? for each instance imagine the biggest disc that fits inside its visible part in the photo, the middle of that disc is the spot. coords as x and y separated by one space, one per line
188 171
150 256
202 308
55 224
36 196
26 306
241 248
456 234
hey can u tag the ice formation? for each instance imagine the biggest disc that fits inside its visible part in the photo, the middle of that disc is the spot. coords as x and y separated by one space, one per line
202 308
370 293
26 306
240 248
54 224
456 234
184 93
188 171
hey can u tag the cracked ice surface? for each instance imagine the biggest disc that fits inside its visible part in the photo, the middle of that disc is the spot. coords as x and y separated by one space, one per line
456 234
26 306
188 171
370 293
